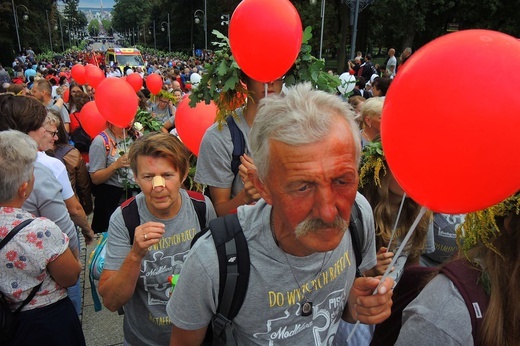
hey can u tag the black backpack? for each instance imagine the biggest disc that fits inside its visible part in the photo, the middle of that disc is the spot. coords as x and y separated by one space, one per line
239 144
80 138
8 318
234 263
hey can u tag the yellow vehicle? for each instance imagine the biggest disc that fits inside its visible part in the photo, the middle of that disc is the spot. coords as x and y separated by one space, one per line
124 56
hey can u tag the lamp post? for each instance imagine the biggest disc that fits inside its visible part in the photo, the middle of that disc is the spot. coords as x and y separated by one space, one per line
15 15
49 27
154 40
197 16
313 2
169 38
356 6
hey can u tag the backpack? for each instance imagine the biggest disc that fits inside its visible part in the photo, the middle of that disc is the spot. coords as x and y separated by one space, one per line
463 275
234 265
80 138
8 318
131 218
239 144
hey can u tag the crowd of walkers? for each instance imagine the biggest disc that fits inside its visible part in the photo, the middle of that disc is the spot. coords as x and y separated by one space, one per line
310 192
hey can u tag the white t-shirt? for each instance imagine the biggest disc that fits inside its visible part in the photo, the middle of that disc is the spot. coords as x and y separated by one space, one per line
60 172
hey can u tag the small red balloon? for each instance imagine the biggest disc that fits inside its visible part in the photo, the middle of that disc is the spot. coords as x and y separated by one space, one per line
135 80
192 123
91 120
78 74
66 95
265 37
94 76
154 83
460 155
116 101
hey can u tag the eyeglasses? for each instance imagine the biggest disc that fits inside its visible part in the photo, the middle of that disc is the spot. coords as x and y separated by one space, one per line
52 133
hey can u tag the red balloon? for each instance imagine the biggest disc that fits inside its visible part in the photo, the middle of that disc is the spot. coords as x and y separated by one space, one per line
78 74
116 101
135 80
91 120
89 67
452 144
66 95
94 76
192 123
265 37
154 83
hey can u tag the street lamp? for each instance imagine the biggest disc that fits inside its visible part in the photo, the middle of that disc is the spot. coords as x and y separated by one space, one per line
169 38
25 17
356 6
198 14
225 19
154 40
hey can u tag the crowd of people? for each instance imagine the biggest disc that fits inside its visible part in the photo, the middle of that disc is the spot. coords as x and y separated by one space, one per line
286 173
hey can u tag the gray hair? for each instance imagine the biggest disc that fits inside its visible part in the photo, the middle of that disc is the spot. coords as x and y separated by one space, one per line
17 156
372 107
302 116
52 118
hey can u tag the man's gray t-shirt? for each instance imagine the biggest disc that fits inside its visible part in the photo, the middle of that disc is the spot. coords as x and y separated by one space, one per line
271 313
216 154
437 316
146 321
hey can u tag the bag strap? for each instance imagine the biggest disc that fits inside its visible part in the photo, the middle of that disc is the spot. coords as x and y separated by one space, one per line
14 231
233 258
357 235
131 212
3 243
106 140
239 144
466 277
77 119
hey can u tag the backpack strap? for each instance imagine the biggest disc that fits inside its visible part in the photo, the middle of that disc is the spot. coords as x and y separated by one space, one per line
239 144
466 277
62 150
357 235
106 140
233 259
131 212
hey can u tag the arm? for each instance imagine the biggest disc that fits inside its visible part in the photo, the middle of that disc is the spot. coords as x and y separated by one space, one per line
117 286
183 337
167 126
78 216
248 167
102 175
65 269
223 203
365 307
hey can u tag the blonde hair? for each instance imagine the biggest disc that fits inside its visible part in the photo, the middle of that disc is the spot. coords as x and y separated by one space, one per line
371 108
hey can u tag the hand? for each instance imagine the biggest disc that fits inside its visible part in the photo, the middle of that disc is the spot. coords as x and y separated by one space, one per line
122 161
89 235
250 192
146 235
383 260
366 307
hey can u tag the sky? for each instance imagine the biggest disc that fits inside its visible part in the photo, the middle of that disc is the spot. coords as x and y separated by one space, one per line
96 3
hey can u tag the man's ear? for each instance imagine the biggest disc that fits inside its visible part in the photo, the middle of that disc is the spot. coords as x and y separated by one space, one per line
22 190
262 188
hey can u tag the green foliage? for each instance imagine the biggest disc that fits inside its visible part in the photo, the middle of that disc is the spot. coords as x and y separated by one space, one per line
148 123
309 68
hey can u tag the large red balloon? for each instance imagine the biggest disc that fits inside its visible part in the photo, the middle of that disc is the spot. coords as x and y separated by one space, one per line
135 80
116 101
78 74
154 83
94 76
450 127
265 37
91 120
192 123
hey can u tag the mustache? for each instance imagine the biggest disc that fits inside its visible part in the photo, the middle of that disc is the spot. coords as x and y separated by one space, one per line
314 225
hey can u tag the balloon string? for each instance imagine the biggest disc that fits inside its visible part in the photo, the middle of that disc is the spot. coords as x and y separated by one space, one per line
396 222
396 256
265 87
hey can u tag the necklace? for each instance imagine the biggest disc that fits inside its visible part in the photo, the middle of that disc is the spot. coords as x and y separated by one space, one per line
307 304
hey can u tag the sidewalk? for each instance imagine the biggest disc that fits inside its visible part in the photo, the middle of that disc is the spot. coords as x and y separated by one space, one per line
102 328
